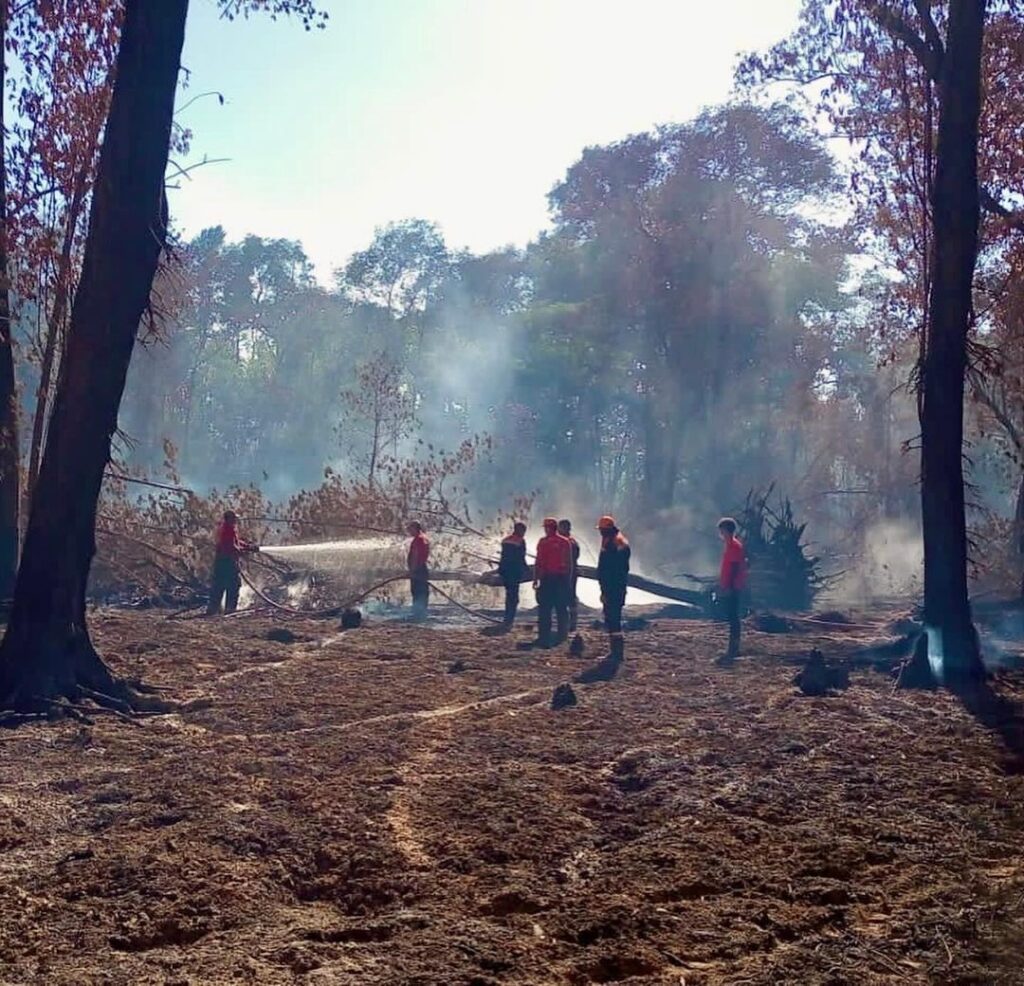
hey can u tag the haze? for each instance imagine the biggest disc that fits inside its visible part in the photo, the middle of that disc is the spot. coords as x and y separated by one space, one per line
465 112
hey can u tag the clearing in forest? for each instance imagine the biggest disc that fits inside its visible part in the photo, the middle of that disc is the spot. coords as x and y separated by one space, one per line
346 809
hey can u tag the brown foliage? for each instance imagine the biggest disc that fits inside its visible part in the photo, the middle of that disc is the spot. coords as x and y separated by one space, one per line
158 544
861 68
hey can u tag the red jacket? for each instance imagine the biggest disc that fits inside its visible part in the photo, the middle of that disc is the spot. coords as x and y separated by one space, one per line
228 543
419 552
733 575
554 556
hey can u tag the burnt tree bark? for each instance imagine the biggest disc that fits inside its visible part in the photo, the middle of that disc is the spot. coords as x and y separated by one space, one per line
46 653
955 207
1018 530
55 331
10 465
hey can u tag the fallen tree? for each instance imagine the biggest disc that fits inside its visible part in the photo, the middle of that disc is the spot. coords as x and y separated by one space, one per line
699 601
693 603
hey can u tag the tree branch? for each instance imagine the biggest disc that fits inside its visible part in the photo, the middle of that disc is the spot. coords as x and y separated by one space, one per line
998 409
897 28
931 32
991 204
120 477
201 95
180 172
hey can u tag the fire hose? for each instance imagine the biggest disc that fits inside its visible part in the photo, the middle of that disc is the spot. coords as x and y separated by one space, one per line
336 610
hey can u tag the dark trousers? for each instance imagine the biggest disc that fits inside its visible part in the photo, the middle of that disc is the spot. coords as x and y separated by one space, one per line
420 589
574 607
613 604
225 584
511 600
731 615
553 596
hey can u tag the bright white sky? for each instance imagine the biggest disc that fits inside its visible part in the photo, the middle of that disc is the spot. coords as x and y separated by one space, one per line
465 112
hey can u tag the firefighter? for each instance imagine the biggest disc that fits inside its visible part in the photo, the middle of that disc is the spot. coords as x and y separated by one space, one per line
419 553
512 568
612 570
552 573
732 579
565 529
226 582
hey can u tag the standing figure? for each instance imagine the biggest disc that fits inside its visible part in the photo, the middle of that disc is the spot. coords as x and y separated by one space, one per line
612 572
512 568
551 582
732 580
226 581
419 554
565 529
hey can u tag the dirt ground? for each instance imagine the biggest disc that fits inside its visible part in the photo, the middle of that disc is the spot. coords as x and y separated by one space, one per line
346 809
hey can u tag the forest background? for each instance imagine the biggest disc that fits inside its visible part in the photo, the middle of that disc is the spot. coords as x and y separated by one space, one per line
720 305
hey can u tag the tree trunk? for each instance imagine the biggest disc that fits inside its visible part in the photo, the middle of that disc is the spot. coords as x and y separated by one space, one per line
55 330
954 651
1018 530
10 466
661 454
46 652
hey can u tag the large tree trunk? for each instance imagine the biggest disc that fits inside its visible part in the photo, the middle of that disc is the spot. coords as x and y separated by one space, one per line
953 643
10 466
46 652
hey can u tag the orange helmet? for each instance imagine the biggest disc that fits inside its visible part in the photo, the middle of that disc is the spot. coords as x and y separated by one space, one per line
550 522
605 522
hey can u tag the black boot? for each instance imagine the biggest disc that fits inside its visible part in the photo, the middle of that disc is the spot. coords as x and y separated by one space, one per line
608 667
618 648
543 628
563 626
733 651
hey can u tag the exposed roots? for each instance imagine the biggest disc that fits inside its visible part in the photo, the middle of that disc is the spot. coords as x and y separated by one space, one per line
72 682
916 671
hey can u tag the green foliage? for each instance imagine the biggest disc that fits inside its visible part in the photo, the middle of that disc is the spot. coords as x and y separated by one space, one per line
683 333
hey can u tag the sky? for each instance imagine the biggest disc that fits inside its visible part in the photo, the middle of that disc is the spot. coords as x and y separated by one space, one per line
464 112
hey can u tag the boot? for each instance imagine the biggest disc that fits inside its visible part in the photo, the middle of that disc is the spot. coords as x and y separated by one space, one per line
608 667
618 648
563 626
733 651
511 607
543 632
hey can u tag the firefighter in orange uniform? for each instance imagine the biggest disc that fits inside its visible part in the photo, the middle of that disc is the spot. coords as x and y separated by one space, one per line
552 578
612 573
227 577
419 554
565 529
512 568
732 580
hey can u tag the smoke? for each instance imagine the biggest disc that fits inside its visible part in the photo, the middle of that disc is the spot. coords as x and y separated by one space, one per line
888 564
471 382
653 555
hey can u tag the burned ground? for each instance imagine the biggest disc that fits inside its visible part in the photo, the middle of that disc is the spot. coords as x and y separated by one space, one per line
400 804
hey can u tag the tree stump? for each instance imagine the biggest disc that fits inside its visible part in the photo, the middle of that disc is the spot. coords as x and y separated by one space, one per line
818 679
